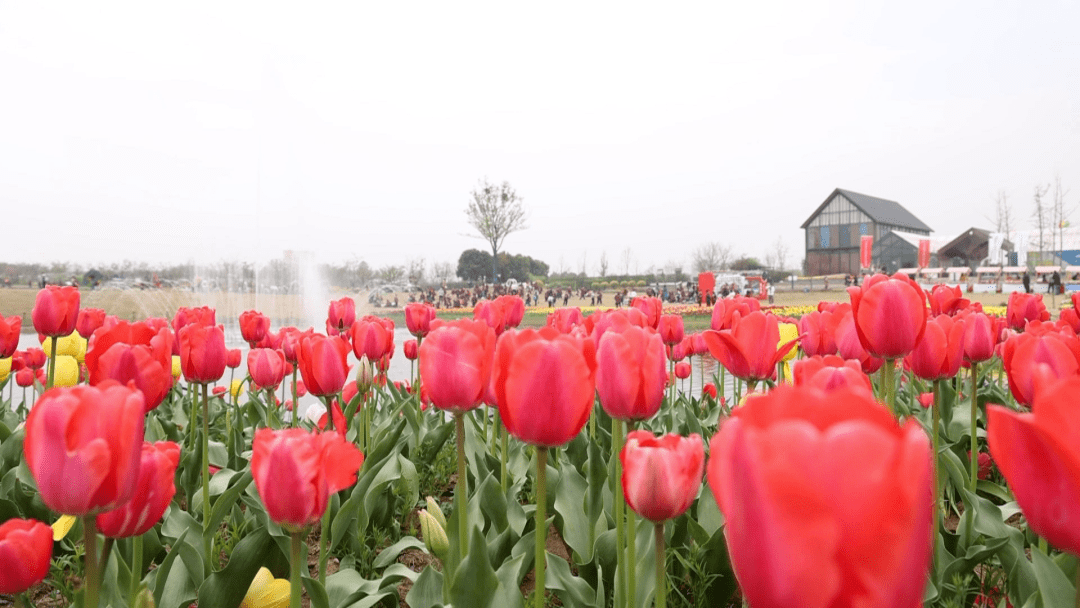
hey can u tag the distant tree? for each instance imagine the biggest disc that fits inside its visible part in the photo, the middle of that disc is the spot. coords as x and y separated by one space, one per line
474 265
1040 214
627 259
746 263
391 273
444 271
495 212
603 263
538 268
415 272
1060 214
711 256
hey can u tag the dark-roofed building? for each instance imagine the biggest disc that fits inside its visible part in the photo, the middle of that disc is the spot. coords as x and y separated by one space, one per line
833 230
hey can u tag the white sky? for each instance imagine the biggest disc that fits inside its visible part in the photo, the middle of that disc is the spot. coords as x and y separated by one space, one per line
180 131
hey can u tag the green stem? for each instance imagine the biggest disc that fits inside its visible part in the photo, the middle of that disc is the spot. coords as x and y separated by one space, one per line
616 448
974 464
935 440
541 524
52 364
890 385
661 570
295 584
690 362
504 475
295 402
93 569
461 490
329 402
1076 602
324 534
208 539
671 375
631 544
136 568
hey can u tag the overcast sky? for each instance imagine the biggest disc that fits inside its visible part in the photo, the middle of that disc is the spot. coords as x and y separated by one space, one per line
180 131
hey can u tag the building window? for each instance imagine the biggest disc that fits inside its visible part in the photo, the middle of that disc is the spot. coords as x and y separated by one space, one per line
864 229
845 236
824 237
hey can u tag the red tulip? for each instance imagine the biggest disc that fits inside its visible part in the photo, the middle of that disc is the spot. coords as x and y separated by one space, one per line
456 362
290 342
986 464
709 390
296 472
513 310
830 373
1038 454
10 330
1024 307
89 320
565 319
947 300
323 364
980 336
409 348
153 493
1032 362
34 358
670 329
82 446
371 338
134 352
1070 318
418 318
56 311
24 377
202 353
492 312
661 476
202 315
630 372
890 314
806 480
818 330
544 383
848 345
338 416
750 350
602 320
25 552
218 391
266 367
341 315
233 357
254 326
724 311
941 351
652 307
682 350
682 370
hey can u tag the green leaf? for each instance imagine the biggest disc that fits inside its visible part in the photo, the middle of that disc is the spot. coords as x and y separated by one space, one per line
388 555
226 588
570 511
426 592
572 590
1054 587
225 502
475 584
316 593
173 587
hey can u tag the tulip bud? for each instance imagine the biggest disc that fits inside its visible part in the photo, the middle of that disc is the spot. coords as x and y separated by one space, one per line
435 511
365 375
176 366
237 388
144 599
434 535
5 368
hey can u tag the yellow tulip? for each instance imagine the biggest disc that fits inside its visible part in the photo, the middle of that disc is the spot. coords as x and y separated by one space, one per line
72 345
67 371
788 332
5 368
62 526
237 388
175 366
266 591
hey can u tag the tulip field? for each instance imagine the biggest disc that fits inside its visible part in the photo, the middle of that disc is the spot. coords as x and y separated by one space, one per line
903 448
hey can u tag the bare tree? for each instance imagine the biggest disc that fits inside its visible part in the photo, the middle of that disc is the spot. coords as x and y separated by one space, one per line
711 256
1061 215
1004 215
584 263
1040 214
779 252
444 271
495 212
627 258
603 263
415 272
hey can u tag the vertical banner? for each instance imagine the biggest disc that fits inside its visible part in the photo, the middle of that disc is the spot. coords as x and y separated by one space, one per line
1021 248
866 251
997 240
924 253
706 282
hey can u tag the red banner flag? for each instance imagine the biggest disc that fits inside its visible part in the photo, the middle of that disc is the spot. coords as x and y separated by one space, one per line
866 251
924 253
706 282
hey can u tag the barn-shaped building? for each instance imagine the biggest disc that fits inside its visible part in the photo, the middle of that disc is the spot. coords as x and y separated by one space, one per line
833 230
